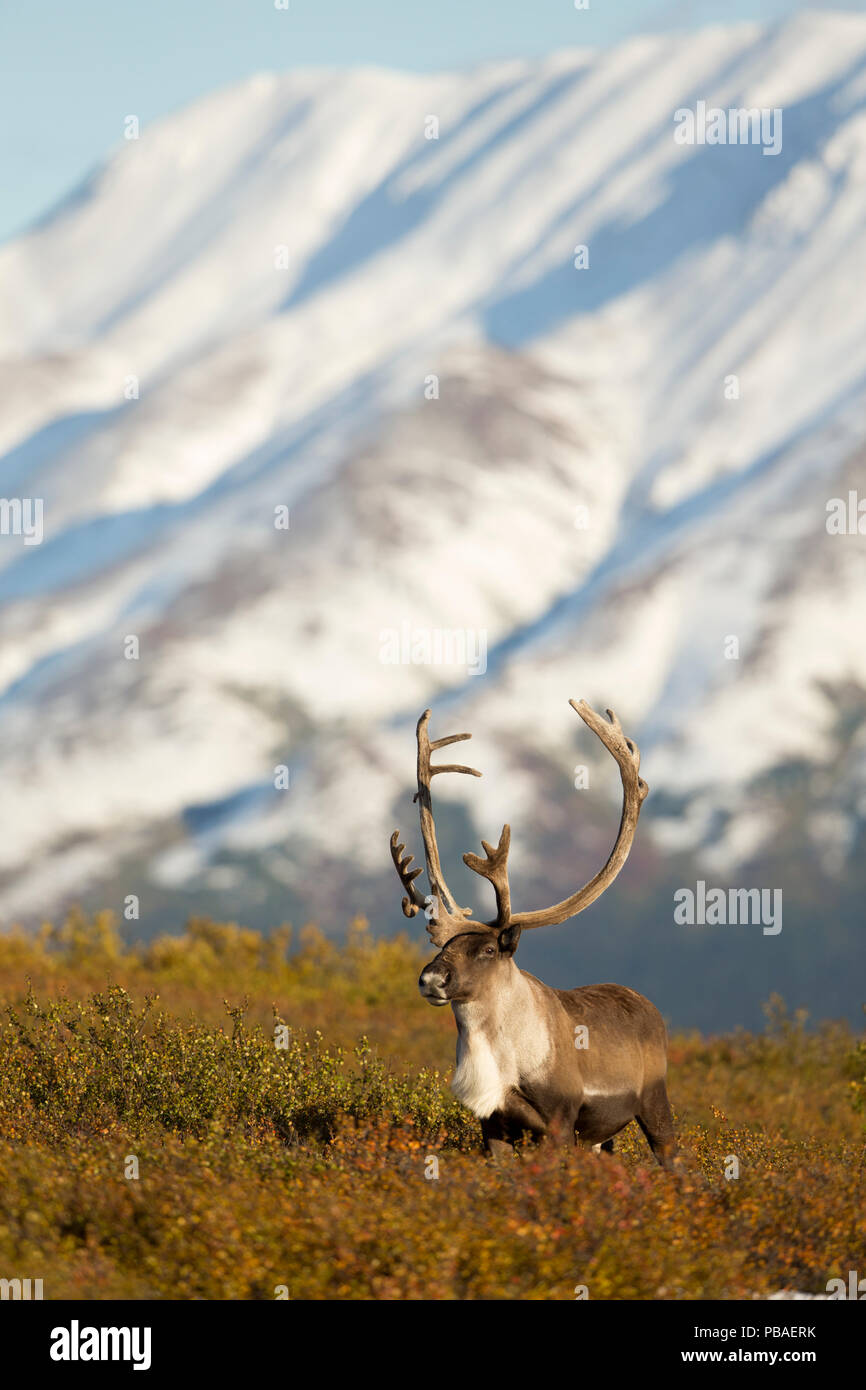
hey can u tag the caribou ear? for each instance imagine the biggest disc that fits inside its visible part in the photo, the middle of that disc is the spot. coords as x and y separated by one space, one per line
508 939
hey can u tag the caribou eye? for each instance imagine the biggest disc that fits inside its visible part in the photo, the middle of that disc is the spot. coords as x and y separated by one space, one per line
489 951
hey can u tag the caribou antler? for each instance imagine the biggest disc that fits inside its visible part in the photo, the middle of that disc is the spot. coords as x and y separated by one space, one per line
407 876
444 917
495 869
634 790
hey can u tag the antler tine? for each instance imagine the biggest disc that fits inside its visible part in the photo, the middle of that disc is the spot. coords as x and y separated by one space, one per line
413 901
426 770
624 749
450 738
634 791
495 869
454 767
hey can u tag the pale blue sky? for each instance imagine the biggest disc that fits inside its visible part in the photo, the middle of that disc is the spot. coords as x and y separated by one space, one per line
70 72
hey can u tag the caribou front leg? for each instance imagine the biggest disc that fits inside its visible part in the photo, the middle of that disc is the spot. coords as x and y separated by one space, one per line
518 1117
497 1142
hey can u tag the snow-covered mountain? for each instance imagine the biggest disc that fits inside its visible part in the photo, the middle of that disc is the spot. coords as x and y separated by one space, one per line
361 296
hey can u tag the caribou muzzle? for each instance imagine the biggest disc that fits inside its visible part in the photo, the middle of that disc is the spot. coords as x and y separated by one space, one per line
433 982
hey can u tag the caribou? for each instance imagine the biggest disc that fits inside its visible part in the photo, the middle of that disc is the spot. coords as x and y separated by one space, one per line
568 1066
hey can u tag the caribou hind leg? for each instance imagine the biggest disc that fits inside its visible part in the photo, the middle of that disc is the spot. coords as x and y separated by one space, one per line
657 1123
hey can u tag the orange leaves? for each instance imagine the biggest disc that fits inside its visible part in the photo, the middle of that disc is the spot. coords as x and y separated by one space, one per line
357 1218
340 1167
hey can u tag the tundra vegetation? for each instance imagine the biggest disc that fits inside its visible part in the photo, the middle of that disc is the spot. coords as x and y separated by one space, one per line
308 1167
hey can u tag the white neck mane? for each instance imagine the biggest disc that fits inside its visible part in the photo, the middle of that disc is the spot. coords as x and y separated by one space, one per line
502 1040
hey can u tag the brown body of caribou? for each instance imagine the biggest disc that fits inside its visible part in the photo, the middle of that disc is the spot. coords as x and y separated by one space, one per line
572 1065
